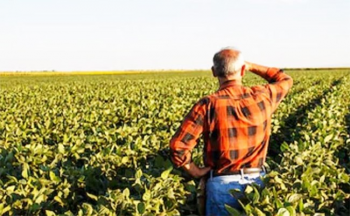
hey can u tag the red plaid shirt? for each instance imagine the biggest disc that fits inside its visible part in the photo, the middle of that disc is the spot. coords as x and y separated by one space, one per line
235 122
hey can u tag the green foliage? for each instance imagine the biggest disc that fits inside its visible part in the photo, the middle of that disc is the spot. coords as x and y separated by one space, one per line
98 145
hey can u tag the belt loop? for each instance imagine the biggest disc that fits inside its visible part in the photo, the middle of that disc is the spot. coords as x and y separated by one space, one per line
242 173
211 174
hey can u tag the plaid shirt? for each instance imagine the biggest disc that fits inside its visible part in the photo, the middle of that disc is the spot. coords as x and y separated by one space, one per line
235 122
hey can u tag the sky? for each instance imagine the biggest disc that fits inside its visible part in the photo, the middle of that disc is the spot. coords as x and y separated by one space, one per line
71 35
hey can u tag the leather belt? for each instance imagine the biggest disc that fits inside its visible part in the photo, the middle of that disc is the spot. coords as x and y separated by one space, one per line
241 171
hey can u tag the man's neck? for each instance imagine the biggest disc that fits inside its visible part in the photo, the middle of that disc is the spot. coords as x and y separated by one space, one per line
223 80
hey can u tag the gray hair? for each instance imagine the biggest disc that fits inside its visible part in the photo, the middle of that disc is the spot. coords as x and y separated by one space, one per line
228 61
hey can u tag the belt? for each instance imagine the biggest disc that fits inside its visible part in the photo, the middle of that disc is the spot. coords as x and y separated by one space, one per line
241 171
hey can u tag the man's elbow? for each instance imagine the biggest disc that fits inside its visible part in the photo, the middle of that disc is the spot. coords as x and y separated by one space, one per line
179 156
174 153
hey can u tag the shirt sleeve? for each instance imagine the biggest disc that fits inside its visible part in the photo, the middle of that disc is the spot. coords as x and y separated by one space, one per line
278 87
185 139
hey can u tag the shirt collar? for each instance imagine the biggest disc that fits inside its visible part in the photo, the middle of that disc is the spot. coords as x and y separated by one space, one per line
230 83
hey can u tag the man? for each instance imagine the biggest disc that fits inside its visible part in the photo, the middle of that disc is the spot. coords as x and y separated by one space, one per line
235 122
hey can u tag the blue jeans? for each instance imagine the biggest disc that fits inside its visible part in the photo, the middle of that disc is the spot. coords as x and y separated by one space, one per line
218 194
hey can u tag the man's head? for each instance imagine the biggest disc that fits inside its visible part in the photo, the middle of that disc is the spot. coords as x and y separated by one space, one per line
228 63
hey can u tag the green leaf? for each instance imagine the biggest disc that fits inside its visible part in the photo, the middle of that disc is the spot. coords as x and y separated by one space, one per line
88 210
256 195
54 178
301 205
171 194
92 196
141 207
4 210
258 212
65 138
278 203
298 160
146 196
291 210
328 138
25 170
283 212
49 213
344 177
126 192
81 179
125 160
294 198
59 200
166 173
61 148
284 147
138 174
10 189
248 189
232 211
40 199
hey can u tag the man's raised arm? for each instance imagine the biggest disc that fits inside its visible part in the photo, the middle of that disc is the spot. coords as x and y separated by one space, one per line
279 82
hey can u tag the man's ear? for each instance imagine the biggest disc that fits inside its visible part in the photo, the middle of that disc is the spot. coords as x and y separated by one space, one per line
213 71
243 71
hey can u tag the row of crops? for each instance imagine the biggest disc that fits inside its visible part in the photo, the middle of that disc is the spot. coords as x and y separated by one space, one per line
98 144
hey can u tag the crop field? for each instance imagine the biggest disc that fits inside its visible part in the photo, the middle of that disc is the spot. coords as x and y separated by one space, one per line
99 145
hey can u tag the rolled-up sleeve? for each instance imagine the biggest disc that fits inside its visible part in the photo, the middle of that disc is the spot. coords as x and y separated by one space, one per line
185 139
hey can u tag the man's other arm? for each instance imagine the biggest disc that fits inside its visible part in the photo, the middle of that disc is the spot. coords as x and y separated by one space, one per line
185 139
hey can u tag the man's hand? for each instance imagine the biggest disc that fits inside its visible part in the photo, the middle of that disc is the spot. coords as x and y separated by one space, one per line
195 171
256 69
247 66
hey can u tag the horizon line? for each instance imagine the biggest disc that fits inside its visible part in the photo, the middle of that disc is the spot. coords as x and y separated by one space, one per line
155 70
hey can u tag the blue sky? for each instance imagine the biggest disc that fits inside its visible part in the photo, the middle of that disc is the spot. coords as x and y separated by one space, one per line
177 34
